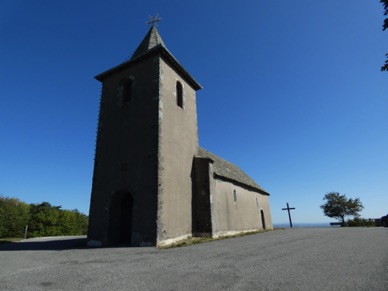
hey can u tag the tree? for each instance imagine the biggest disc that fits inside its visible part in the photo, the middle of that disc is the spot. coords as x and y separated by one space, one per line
338 206
14 215
50 220
73 222
385 26
44 220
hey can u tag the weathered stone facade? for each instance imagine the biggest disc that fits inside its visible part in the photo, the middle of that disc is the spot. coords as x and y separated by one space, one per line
152 184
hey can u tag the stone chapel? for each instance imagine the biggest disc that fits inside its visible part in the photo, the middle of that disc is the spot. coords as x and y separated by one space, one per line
153 184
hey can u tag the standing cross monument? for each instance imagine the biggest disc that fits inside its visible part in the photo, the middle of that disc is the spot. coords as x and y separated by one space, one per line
289 214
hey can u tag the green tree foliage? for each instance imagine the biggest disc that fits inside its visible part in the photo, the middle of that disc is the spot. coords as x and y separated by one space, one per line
73 222
42 219
48 220
385 26
14 216
338 206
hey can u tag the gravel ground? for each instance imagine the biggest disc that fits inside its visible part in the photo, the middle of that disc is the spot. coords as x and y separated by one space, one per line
290 259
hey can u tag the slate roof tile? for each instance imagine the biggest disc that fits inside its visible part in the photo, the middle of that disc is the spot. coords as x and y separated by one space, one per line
228 170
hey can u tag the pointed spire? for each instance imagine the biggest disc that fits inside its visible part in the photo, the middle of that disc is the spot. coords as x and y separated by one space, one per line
151 40
152 43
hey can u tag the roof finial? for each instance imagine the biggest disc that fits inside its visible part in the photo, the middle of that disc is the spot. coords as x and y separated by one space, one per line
153 20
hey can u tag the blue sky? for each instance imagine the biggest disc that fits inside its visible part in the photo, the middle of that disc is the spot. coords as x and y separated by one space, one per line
293 93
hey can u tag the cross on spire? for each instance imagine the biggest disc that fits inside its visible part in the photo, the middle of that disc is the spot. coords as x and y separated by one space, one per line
153 20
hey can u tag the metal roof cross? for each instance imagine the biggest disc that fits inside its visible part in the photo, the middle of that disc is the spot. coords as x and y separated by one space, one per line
153 20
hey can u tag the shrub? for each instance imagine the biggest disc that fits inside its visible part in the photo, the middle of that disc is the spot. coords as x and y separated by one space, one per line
357 221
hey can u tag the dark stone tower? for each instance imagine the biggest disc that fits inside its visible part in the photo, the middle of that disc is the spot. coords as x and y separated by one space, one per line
147 137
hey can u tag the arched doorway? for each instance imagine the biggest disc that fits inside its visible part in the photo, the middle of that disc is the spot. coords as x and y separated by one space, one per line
120 218
262 218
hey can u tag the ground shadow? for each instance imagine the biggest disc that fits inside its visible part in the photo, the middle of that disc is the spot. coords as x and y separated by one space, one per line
48 245
55 244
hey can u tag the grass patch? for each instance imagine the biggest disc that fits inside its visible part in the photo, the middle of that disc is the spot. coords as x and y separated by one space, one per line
199 240
8 240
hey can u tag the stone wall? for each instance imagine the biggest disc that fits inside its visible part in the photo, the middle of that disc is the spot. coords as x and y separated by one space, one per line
178 141
127 153
236 209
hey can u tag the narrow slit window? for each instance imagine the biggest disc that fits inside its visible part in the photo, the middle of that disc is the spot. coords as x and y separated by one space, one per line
179 94
127 90
234 196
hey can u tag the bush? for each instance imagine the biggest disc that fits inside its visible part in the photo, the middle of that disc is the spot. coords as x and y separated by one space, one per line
357 221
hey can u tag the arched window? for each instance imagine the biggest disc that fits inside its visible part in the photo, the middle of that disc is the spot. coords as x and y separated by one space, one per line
263 219
179 94
127 90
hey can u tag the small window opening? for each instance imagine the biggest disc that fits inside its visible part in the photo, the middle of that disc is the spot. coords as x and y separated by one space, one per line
234 196
179 94
127 90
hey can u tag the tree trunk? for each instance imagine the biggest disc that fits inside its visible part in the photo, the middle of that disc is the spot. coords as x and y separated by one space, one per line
343 221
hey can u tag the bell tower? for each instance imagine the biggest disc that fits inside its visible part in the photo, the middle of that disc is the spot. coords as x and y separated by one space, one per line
146 139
